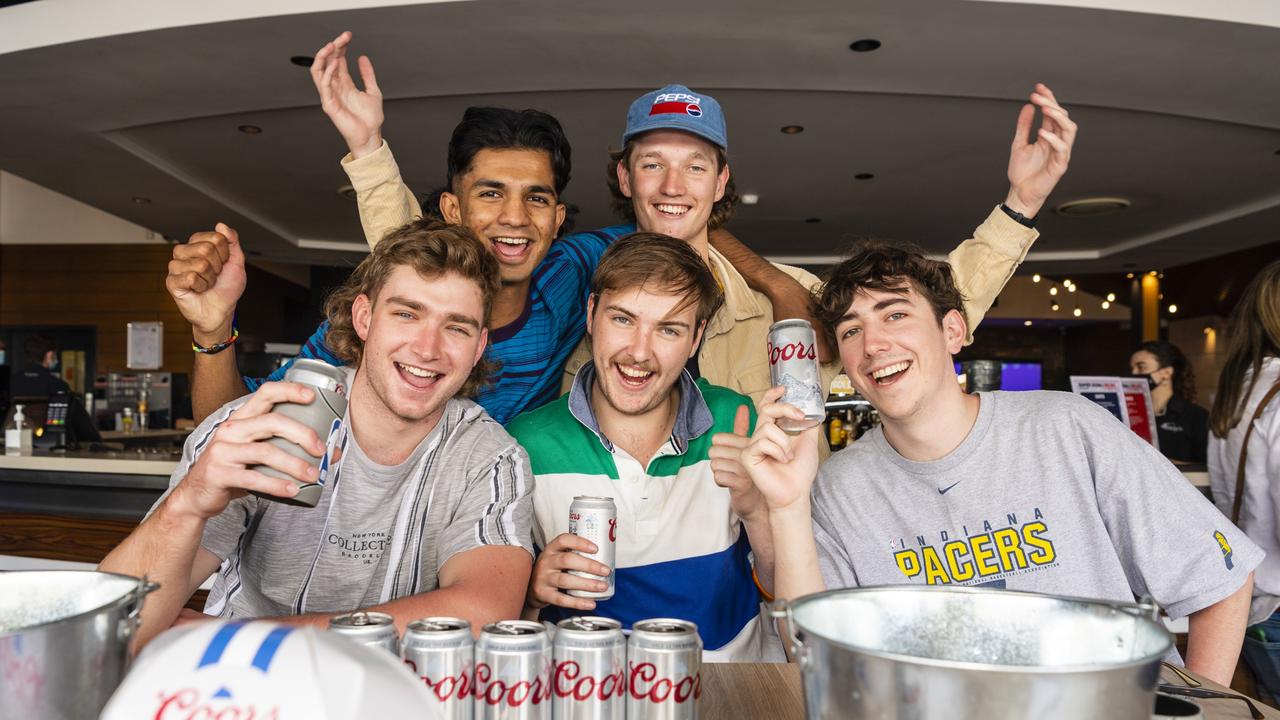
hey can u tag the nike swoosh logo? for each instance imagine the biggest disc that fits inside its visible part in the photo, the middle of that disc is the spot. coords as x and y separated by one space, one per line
943 491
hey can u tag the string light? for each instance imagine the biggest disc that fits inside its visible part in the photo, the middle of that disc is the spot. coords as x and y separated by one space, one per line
1077 312
1173 309
1035 278
1111 297
1027 323
1071 288
1053 307
1053 290
1106 305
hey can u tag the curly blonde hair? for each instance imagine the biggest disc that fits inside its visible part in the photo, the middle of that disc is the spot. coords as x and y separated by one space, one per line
432 248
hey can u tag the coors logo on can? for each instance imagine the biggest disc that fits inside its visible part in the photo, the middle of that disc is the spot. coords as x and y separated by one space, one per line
589 681
664 670
513 671
793 364
441 653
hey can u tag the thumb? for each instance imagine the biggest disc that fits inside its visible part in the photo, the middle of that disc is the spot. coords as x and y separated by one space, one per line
367 76
234 251
742 421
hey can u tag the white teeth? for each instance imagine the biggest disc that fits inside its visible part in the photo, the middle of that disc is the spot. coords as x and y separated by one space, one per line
633 373
891 369
673 209
417 371
512 240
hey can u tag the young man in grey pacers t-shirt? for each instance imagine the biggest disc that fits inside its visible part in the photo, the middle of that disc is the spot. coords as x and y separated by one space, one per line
425 509
1038 491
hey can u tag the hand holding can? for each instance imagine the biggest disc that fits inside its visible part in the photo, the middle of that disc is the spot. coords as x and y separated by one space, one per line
323 415
596 519
793 364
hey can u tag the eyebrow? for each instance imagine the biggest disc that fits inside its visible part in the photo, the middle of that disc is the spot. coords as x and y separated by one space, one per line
695 155
451 317
887 302
665 323
499 185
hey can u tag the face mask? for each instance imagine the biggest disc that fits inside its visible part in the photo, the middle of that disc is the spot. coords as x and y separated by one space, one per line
52 365
1151 381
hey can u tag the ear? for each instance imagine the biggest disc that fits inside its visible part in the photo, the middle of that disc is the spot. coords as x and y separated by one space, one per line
561 211
451 208
722 181
362 316
697 338
954 330
591 310
624 178
480 346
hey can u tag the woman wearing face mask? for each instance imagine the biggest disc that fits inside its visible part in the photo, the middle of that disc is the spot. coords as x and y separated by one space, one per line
1244 458
1182 425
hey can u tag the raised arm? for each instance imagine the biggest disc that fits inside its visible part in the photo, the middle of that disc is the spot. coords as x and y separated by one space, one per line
384 200
984 264
789 298
206 279
166 547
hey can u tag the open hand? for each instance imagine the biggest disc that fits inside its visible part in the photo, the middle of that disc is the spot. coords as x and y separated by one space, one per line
356 113
1035 168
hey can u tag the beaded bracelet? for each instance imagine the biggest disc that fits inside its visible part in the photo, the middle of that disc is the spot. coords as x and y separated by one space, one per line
215 349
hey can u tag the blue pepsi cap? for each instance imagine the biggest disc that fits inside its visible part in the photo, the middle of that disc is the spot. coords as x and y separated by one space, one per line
676 107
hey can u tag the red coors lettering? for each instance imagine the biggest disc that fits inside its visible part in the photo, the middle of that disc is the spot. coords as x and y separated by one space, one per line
570 682
498 692
447 687
791 351
647 685
186 704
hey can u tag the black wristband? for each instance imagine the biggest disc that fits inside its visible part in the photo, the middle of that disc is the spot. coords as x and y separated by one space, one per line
1018 217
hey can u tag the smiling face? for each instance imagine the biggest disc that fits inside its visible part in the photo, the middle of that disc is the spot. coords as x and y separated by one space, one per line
641 339
896 352
673 181
508 198
422 336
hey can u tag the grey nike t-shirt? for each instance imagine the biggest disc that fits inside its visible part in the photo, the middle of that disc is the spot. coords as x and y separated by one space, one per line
378 532
1048 493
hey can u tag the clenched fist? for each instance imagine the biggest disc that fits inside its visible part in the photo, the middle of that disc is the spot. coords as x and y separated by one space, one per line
206 279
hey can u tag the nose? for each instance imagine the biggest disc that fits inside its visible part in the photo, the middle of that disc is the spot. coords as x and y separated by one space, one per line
426 342
874 339
514 213
641 347
672 183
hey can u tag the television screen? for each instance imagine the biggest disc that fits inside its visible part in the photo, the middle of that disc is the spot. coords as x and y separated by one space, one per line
1017 375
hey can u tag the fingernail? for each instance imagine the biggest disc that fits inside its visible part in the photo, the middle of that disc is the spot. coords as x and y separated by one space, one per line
313 471
293 489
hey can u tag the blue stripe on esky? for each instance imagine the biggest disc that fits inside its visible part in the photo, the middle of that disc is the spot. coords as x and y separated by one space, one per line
218 644
267 651
680 588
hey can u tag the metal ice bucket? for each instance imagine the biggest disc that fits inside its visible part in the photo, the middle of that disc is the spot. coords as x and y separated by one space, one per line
929 653
64 640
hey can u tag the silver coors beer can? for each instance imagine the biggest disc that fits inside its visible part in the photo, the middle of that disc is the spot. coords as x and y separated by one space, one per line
374 629
323 415
513 671
793 364
589 681
440 651
596 519
664 670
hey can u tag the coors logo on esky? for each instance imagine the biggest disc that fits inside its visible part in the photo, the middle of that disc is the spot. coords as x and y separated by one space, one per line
188 704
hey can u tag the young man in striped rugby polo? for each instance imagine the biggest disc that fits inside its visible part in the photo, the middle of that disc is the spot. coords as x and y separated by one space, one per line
637 427
425 508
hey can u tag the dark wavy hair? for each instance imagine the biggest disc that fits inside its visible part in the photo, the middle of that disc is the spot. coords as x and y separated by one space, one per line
1253 334
663 263
884 265
432 248
1168 355
494 128
721 212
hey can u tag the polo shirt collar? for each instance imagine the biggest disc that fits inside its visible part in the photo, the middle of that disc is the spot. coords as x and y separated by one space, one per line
693 417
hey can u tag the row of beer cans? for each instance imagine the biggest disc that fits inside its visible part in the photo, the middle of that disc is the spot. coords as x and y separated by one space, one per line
517 670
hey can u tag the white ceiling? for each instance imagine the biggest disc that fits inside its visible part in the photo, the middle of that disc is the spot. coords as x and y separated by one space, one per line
1179 114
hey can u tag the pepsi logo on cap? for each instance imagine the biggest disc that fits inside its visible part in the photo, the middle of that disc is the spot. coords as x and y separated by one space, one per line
676 103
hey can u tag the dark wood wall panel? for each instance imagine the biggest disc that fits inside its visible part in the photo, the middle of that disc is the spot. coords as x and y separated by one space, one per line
105 286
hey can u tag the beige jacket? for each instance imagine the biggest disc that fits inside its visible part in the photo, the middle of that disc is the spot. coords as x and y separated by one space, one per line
733 351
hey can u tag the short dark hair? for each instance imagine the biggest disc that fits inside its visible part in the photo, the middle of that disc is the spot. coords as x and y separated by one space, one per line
432 248
884 265
494 128
721 212
36 347
662 262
